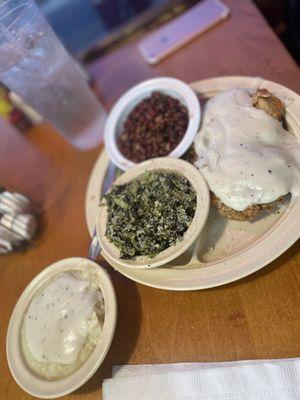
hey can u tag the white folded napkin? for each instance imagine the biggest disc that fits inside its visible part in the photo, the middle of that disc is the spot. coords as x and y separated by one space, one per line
244 380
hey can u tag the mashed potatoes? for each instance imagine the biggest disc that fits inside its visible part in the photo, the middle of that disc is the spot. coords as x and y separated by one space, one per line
63 324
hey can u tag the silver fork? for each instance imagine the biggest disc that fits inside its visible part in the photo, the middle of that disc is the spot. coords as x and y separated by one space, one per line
110 175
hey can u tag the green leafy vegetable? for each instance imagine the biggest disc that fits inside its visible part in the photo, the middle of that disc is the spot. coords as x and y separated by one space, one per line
149 214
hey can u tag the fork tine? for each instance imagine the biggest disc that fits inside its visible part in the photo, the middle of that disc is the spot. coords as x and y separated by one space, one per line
110 174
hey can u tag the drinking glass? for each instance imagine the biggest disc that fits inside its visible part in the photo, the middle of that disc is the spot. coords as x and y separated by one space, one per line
35 65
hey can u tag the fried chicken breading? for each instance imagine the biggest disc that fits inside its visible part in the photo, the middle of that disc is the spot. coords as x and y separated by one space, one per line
271 104
250 213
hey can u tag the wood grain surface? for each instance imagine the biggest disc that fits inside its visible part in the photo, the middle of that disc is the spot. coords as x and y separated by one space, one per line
256 317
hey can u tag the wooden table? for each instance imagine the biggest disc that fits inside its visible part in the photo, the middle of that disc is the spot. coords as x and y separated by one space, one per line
256 317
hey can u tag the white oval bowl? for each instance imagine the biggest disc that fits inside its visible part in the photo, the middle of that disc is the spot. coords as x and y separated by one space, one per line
21 372
116 118
198 183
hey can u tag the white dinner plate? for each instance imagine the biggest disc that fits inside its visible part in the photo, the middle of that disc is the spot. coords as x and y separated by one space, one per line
227 250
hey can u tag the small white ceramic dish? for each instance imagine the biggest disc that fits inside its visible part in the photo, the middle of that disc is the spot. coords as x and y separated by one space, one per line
172 87
163 164
23 375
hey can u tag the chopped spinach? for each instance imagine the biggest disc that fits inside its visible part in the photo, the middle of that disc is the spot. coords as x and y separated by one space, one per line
149 214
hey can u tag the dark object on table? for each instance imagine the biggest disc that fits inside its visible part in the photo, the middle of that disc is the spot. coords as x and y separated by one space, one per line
19 120
89 28
284 17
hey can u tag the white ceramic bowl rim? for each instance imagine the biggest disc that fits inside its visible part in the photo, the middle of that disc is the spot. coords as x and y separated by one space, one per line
133 96
198 183
23 375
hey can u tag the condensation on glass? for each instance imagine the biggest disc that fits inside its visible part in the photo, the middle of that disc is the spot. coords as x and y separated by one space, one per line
35 65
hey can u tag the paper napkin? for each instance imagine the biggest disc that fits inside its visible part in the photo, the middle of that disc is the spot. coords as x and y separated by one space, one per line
245 380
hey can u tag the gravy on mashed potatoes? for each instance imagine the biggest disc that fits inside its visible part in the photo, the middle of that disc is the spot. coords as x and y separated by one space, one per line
63 324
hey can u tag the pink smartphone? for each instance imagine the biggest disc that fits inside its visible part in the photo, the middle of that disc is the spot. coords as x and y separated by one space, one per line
187 26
